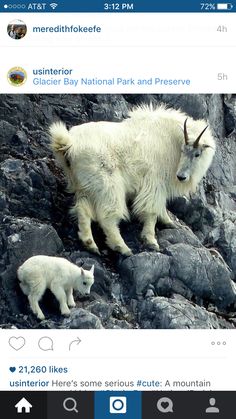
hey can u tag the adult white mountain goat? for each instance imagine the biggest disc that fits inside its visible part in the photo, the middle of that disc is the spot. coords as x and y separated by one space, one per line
147 159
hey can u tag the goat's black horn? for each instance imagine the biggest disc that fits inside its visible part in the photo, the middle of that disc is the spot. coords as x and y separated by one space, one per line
185 132
196 142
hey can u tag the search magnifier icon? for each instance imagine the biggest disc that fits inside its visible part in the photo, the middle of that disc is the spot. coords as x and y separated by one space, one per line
70 405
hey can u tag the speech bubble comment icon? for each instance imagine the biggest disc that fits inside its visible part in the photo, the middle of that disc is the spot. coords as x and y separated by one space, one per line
165 405
45 343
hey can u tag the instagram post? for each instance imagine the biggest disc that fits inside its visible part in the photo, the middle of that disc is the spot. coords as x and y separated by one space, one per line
117 210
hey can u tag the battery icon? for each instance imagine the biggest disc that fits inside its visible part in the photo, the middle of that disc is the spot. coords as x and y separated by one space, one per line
224 6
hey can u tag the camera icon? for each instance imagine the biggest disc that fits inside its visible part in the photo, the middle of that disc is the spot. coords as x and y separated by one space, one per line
118 404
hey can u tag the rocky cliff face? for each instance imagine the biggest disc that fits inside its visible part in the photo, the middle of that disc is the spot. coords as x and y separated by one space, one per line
189 284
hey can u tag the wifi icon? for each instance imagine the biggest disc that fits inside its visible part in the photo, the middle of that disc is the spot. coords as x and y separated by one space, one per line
53 5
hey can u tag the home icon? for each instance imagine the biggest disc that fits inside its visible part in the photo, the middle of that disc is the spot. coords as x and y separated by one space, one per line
23 406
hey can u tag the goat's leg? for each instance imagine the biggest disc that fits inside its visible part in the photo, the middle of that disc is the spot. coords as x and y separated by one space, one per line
148 231
113 236
60 295
34 304
70 298
83 211
166 220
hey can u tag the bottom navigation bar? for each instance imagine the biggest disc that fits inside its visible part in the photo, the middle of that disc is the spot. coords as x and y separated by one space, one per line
130 405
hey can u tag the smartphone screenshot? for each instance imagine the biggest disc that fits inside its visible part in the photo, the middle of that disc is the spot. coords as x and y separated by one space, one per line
117 209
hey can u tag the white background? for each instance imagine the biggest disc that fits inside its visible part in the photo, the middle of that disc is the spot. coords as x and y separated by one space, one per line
182 355
140 46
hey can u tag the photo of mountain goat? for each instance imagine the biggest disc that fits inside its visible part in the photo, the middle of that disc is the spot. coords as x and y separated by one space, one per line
59 275
149 158
130 161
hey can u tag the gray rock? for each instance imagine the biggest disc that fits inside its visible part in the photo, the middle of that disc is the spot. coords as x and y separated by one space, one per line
143 269
119 324
26 185
224 238
222 172
178 313
108 108
194 105
197 214
82 319
177 235
207 277
7 132
101 309
167 286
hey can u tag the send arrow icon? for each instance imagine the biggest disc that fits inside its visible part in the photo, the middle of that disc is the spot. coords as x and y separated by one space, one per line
74 343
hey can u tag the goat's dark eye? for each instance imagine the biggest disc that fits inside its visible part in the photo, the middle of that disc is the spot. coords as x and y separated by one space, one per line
197 154
84 283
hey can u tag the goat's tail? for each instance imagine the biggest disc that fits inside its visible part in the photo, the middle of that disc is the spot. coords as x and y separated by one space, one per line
60 137
25 288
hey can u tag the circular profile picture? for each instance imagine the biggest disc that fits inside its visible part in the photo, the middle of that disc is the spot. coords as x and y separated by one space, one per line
17 76
17 29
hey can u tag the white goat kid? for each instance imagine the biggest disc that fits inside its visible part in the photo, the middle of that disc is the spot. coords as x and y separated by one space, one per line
59 275
147 159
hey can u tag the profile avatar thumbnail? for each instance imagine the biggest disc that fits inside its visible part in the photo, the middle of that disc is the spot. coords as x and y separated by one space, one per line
17 76
17 29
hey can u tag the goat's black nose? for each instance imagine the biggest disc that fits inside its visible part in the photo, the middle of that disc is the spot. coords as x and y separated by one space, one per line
181 177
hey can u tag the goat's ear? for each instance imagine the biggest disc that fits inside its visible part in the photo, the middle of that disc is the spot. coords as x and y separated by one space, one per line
82 271
92 269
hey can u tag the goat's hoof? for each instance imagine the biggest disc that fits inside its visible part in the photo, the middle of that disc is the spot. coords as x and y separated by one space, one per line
150 243
153 246
92 249
124 252
128 253
95 250
72 305
65 313
41 317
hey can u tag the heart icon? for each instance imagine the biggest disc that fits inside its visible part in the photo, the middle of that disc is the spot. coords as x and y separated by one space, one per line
12 369
17 343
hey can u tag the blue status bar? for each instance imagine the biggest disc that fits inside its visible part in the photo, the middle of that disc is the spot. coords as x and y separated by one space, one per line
101 6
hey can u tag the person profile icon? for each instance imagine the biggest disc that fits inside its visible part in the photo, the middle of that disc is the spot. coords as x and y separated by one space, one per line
212 408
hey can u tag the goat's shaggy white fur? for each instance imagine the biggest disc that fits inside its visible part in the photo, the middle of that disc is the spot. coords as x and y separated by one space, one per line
144 159
59 275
